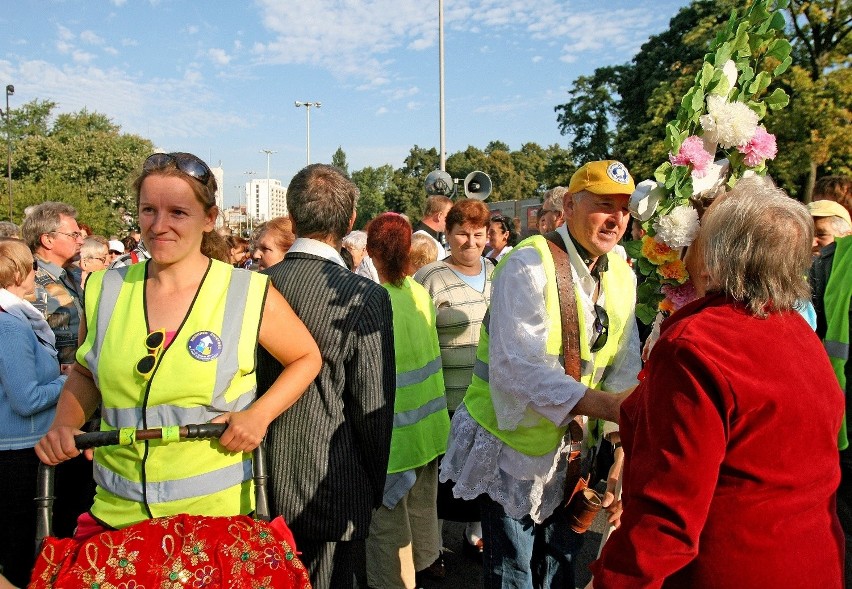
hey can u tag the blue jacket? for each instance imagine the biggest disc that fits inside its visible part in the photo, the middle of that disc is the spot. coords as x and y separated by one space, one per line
29 385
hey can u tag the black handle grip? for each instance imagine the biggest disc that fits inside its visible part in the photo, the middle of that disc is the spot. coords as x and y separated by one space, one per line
96 439
204 430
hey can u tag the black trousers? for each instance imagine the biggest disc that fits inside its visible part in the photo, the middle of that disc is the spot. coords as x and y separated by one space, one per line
74 490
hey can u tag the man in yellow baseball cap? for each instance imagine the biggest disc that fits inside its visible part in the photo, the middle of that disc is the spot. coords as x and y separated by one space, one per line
831 220
529 539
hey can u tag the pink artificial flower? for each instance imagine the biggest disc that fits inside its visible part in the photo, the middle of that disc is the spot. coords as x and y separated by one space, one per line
760 147
692 152
679 295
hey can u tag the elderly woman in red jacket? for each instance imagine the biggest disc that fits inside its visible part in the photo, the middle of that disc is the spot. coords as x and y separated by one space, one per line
731 439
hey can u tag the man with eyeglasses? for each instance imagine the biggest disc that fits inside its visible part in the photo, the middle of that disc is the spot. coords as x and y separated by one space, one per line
550 214
54 237
509 444
52 234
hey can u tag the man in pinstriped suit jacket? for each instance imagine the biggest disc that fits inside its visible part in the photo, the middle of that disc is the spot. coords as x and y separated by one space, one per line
328 453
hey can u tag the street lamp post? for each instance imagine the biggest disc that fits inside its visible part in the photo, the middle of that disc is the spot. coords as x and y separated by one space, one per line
10 89
268 153
241 190
308 106
248 219
443 140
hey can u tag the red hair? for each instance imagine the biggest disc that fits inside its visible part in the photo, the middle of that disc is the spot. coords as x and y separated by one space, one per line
388 242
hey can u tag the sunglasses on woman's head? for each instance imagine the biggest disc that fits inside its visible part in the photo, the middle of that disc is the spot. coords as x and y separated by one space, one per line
185 162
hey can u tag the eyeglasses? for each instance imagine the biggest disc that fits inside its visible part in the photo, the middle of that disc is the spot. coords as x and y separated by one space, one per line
102 259
601 328
154 342
504 221
75 235
185 162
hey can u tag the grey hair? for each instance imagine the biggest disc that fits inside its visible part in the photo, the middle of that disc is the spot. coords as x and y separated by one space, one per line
356 239
321 200
93 246
554 197
44 218
756 243
9 229
839 226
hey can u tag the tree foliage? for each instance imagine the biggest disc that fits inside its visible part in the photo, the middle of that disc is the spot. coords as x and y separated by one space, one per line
79 158
338 159
621 111
372 183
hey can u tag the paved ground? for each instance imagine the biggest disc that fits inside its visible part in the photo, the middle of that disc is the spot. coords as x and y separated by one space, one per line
464 572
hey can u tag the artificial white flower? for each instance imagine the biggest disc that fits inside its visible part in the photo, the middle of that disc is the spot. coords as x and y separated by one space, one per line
731 73
728 123
678 228
644 200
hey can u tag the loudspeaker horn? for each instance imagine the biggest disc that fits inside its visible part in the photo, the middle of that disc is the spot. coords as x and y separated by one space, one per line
439 182
477 185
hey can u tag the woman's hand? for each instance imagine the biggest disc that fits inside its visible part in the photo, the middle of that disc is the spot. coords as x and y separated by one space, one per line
245 430
58 445
611 499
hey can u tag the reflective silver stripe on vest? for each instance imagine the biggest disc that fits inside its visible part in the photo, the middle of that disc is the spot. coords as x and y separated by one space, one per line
418 375
422 412
110 289
164 415
175 490
480 369
228 362
837 350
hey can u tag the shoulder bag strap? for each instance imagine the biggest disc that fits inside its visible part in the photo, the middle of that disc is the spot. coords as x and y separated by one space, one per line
567 305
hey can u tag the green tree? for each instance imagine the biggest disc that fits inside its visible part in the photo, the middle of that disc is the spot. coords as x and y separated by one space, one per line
372 183
338 159
406 193
81 158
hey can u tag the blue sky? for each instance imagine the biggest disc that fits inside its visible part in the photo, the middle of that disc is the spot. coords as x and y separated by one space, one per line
219 78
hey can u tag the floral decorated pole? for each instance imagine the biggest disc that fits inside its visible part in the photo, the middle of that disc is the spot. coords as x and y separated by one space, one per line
715 140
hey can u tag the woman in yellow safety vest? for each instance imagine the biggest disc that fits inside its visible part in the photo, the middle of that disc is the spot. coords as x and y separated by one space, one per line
169 341
405 537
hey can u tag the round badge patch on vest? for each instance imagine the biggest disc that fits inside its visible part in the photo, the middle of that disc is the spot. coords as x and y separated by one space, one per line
618 173
204 346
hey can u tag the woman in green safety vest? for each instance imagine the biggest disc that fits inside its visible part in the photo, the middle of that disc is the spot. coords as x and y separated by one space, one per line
405 535
171 341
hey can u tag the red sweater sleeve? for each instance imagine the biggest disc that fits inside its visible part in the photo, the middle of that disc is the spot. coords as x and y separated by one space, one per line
675 427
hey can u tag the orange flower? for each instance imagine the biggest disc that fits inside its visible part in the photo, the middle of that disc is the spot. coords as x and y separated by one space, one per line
674 270
666 306
657 252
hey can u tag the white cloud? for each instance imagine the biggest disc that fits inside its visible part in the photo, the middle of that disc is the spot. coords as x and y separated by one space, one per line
118 3
91 38
537 59
412 105
129 42
111 50
163 109
219 56
355 40
381 110
80 56
65 33
400 93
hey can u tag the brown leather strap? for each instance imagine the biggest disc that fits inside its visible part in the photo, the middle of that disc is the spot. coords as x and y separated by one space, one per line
567 309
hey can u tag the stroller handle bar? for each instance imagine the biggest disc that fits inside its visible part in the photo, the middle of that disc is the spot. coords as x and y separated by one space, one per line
126 436
129 435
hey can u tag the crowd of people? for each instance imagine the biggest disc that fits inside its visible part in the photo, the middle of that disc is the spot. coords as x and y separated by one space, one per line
407 374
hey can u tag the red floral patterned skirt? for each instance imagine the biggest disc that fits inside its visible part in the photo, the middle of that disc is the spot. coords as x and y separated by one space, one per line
178 552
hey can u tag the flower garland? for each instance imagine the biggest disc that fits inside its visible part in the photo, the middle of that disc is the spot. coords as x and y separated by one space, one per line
720 113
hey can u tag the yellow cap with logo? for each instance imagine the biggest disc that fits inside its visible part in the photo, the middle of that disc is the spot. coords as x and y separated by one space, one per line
602 177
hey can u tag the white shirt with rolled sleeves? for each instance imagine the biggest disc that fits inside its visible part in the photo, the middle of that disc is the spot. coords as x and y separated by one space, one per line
522 374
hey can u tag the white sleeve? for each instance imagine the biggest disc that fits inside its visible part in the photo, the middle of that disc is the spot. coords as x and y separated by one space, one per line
521 373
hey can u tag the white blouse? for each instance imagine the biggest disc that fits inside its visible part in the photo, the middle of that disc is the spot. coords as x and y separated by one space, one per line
523 375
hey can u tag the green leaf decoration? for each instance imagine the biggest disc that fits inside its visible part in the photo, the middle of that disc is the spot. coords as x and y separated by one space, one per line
633 248
778 99
645 313
780 49
783 66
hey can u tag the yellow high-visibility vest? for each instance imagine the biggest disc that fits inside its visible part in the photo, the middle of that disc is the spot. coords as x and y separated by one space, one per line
208 369
537 435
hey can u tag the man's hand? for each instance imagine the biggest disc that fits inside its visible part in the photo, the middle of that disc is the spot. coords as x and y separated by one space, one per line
58 445
601 405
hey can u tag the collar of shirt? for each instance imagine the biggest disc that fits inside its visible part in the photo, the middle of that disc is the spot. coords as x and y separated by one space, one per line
56 272
602 264
306 245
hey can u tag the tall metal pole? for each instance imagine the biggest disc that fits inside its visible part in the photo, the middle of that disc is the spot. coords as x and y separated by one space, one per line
268 153
248 191
10 89
441 83
240 209
308 106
